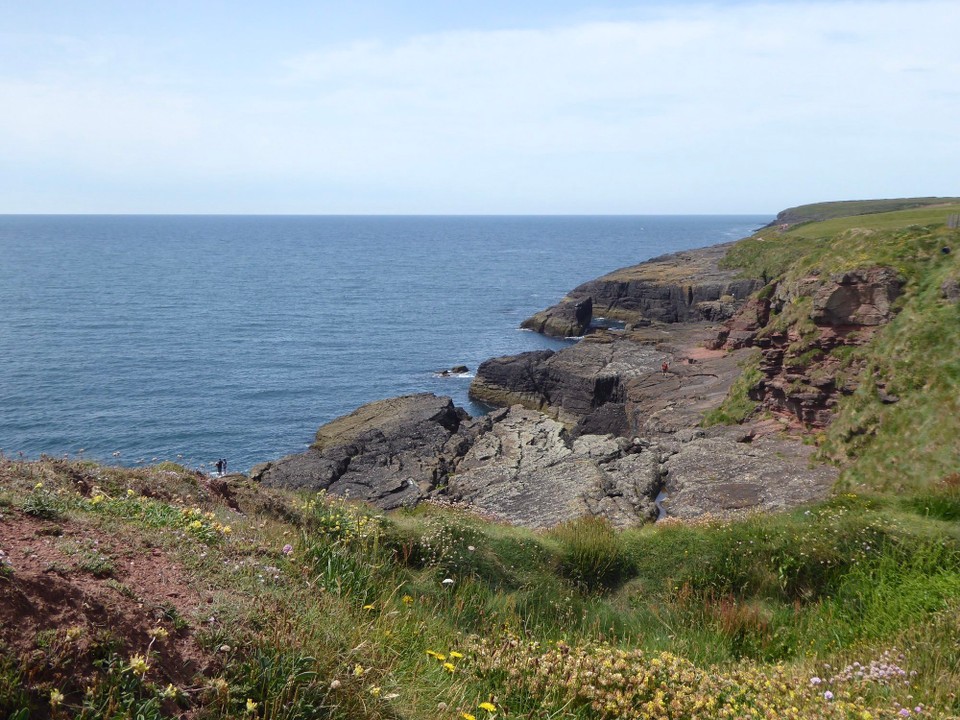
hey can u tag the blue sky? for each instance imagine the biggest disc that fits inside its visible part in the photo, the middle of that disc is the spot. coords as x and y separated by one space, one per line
492 107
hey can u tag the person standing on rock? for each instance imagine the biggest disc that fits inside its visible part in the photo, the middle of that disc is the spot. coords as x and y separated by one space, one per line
664 367
219 466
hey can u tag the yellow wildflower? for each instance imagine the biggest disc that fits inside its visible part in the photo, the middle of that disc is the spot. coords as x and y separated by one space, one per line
407 600
467 716
56 697
358 670
488 706
455 655
251 705
139 664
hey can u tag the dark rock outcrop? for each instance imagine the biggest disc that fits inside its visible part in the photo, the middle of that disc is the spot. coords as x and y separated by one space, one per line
389 453
687 286
568 319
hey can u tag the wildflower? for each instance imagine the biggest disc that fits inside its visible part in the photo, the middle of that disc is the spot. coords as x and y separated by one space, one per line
407 600
287 549
455 655
375 691
828 695
358 670
335 684
39 486
226 530
488 706
468 716
170 691
368 607
815 680
251 705
130 492
139 664
96 499
159 633
56 697
449 667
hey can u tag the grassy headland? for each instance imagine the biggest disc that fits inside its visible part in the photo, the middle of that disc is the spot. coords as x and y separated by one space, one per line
160 593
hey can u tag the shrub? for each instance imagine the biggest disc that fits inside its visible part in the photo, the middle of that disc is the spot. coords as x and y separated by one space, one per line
591 553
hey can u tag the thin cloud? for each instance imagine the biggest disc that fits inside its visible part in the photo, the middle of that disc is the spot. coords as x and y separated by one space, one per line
748 107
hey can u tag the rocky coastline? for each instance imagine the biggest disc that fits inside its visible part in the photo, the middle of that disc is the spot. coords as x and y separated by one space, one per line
611 426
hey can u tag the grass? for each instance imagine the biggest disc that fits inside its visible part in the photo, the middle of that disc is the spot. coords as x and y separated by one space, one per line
330 610
738 405
909 444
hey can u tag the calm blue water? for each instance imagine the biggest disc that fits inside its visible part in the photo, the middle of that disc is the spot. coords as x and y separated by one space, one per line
207 336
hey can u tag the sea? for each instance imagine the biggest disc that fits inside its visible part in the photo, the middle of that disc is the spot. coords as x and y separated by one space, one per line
139 339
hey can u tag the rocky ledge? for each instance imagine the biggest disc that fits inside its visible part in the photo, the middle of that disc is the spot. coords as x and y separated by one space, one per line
610 426
680 287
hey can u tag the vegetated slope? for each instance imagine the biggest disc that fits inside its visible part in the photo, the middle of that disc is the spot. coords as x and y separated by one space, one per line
161 593
817 212
896 422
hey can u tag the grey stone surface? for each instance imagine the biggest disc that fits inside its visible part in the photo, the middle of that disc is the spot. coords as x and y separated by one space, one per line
526 472
720 476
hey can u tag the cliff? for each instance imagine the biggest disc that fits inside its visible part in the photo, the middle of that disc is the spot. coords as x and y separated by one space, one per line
741 368
681 287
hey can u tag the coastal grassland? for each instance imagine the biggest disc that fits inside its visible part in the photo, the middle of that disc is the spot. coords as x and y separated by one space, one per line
818 212
908 445
304 606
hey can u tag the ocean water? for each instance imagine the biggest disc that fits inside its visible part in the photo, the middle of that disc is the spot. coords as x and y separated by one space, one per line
136 339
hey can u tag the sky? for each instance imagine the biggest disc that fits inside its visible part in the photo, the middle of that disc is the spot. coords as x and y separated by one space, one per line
493 107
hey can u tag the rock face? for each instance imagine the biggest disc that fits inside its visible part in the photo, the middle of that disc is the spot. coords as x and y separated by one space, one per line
720 476
803 376
517 464
570 318
683 287
390 453
608 425
859 297
526 471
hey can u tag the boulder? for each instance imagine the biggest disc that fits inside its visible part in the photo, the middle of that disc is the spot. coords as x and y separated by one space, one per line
567 319
389 453
858 297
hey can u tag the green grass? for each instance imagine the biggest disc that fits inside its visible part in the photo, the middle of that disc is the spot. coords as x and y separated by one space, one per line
818 212
910 444
738 405
356 621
